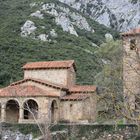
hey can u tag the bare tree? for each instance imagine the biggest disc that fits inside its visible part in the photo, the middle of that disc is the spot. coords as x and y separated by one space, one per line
128 106
45 125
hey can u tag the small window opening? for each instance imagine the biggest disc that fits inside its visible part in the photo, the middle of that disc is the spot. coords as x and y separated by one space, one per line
71 107
137 102
132 44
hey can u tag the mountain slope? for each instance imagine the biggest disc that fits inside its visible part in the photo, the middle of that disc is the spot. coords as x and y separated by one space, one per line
118 14
16 48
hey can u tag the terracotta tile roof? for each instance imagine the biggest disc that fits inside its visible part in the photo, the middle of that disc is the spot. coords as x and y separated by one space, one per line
75 97
23 91
49 64
132 32
78 89
44 82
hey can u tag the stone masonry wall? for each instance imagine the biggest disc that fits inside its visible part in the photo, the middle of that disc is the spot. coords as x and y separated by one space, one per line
71 111
58 76
131 69
78 111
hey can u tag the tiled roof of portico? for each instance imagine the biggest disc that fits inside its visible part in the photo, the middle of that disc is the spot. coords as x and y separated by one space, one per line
15 89
25 91
82 88
75 97
73 89
44 82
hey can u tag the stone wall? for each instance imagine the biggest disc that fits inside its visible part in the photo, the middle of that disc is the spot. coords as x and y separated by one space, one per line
74 132
71 111
48 89
89 108
131 69
71 78
99 132
79 111
44 109
58 76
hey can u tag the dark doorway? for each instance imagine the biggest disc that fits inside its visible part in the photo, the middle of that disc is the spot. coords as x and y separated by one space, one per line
30 109
12 111
54 111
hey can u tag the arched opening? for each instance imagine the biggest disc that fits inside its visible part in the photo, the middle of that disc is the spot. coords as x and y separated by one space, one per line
137 102
54 111
0 111
12 111
30 109
71 105
133 44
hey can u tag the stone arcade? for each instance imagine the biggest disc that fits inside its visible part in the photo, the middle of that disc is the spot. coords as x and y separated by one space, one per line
48 92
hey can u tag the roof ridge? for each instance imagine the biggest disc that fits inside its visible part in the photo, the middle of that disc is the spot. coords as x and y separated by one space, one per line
49 64
52 61
26 90
75 97
40 81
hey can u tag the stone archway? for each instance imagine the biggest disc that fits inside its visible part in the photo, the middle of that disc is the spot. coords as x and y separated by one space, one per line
54 111
137 102
0 111
30 109
12 111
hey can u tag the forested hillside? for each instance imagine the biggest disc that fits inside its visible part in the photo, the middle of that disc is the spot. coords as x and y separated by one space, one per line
84 48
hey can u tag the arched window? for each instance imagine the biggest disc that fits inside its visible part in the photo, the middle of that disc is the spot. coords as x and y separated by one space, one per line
12 111
0 111
71 105
137 102
30 109
133 44
54 111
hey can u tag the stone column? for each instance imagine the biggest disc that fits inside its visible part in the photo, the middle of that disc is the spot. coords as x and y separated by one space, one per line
3 113
21 114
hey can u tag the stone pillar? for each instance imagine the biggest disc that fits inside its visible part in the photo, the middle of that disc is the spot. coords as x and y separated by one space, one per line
21 114
3 113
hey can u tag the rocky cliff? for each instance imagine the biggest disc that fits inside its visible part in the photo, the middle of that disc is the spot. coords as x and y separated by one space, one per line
61 15
43 30
118 14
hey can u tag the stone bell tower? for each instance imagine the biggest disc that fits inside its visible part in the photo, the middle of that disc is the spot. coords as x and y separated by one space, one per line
131 69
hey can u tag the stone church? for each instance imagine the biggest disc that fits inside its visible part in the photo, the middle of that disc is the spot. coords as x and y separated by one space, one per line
131 71
48 92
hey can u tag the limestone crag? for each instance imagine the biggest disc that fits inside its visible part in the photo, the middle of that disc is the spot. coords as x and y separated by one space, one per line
64 16
118 14
28 28
37 14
